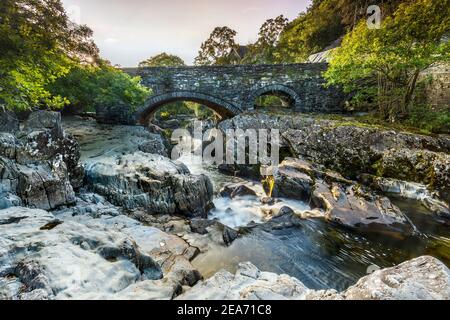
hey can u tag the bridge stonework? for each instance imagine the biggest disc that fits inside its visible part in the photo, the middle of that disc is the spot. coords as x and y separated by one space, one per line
230 90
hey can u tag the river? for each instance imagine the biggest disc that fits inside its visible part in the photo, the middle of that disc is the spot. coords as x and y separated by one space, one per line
320 254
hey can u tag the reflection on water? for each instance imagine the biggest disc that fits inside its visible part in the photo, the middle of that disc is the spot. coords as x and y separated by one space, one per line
319 254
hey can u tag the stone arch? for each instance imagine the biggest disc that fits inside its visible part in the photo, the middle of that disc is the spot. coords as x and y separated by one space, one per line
276 89
223 108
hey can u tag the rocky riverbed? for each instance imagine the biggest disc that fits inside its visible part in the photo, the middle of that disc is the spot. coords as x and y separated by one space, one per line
91 211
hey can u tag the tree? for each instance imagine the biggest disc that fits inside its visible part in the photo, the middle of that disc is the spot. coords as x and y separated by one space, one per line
324 22
163 60
310 33
38 44
269 34
220 48
383 65
87 87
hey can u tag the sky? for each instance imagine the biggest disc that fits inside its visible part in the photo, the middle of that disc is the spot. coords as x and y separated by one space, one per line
130 31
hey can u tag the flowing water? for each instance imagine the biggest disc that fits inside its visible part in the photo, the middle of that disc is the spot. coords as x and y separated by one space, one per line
321 254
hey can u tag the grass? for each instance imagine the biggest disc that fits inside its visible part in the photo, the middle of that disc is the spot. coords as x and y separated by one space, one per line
372 121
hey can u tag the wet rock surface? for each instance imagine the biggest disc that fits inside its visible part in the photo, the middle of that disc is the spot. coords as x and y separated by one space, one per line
132 227
424 278
98 141
352 151
90 251
152 182
69 260
343 201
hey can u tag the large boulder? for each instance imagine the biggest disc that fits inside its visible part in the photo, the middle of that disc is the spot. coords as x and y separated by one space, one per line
151 182
107 255
424 278
249 283
40 164
99 141
342 201
353 151
96 262
235 190
353 207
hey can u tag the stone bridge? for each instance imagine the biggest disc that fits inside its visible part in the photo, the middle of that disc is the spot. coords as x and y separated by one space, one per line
230 90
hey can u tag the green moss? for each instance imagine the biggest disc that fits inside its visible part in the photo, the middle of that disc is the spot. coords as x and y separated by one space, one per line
372 121
378 168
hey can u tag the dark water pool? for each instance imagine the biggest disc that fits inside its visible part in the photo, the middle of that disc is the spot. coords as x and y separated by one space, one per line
324 255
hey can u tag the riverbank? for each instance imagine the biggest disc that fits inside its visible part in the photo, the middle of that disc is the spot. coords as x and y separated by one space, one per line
134 224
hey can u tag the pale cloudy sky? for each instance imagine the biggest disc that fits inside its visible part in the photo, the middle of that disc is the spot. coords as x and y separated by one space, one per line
128 31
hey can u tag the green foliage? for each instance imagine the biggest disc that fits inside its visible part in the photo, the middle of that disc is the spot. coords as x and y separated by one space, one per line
270 101
38 44
87 87
324 22
263 51
311 32
382 66
188 108
201 112
163 60
428 120
219 49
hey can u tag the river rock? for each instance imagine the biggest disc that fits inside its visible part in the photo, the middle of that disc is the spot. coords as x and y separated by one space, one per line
171 252
342 200
39 165
248 283
226 235
67 259
237 190
424 278
99 141
350 206
152 182
353 150
410 190
43 120
128 258
291 179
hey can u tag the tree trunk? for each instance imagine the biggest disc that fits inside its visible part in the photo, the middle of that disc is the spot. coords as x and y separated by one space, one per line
409 95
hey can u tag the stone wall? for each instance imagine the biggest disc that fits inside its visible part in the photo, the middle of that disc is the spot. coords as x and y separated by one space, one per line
437 86
118 114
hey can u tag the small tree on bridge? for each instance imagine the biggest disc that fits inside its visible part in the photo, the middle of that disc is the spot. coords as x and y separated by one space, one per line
269 34
219 49
163 60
